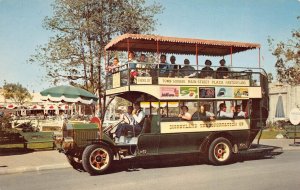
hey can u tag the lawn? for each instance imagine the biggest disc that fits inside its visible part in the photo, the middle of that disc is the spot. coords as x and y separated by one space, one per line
270 134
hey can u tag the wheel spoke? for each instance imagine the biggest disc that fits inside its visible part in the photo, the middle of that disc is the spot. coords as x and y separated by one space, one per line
94 162
98 165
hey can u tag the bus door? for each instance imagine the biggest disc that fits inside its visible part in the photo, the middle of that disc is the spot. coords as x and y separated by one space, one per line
173 137
181 142
148 140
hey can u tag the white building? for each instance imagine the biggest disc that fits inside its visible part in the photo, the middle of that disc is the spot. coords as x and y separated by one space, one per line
283 98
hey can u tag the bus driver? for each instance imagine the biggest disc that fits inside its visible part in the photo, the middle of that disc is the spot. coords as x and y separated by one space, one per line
135 126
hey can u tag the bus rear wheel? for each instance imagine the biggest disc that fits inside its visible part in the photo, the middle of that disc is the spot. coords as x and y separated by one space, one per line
96 159
220 151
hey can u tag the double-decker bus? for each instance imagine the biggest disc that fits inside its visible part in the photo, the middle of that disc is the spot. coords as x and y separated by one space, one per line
217 136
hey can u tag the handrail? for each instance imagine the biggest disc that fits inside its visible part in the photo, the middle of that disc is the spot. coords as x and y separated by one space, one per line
154 71
153 65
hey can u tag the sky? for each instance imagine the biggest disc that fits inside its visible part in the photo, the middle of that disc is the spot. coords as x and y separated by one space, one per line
254 21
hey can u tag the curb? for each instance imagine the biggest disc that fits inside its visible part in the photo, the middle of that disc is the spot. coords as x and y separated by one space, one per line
34 168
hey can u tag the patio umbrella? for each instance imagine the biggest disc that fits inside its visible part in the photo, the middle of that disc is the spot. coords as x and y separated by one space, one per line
68 94
279 108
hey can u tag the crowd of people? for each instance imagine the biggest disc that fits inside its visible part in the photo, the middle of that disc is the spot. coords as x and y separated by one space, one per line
141 67
204 114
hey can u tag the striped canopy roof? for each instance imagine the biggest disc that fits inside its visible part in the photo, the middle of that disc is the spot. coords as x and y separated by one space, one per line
174 45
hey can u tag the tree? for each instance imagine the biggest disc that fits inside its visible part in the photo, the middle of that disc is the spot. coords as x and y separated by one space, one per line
82 29
16 92
288 58
270 77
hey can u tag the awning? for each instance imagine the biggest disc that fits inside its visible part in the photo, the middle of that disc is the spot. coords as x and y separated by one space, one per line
11 106
175 45
63 107
68 94
37 107
51 107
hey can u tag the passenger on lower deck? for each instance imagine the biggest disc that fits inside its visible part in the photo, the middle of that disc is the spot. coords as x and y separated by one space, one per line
222 111
203 114
184 114
239 113
161 112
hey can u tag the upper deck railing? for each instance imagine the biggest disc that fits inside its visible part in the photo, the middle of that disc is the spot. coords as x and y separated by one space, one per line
168 74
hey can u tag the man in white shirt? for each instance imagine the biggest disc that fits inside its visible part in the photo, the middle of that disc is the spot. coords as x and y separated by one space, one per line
239 113
222 111
135 126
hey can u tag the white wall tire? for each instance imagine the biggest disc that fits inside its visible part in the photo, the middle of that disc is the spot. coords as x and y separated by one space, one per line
220 151
97 159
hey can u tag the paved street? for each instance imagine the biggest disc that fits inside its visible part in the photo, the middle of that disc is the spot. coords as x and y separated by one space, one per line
281 172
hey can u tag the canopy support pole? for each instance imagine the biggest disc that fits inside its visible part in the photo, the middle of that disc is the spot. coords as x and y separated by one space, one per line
197 56
231 56
127 49
157 51
259 57
157 48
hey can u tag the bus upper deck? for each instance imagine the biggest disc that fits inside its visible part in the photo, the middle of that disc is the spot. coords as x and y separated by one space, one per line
172 82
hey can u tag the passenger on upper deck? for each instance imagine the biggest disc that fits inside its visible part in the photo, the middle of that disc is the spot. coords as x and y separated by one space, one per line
132 66
187 70
207 71
203 114
222 71
142 58
163 66
142 67
114 67
173 67
222 111
184 114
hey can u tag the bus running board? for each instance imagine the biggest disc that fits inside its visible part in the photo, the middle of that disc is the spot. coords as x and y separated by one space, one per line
267 150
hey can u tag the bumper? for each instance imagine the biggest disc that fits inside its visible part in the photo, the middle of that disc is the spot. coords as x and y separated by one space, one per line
65 144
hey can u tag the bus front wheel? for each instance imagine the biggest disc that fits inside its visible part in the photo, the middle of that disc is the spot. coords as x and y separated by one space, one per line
220 151
75 162
96 159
